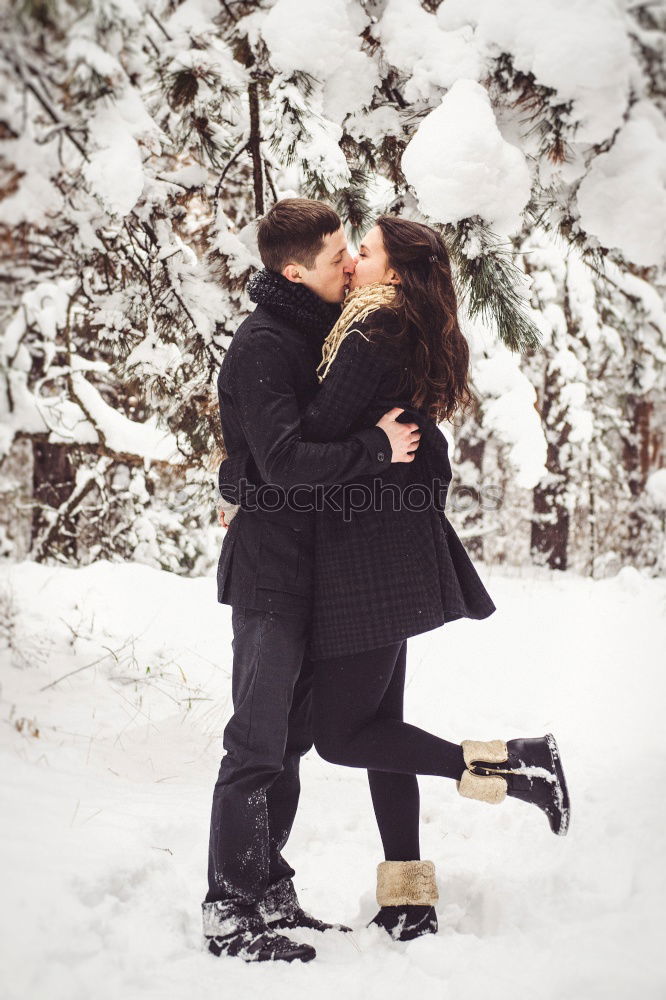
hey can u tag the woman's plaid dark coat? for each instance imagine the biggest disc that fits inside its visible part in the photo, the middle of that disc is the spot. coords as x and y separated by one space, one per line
394 569
397 568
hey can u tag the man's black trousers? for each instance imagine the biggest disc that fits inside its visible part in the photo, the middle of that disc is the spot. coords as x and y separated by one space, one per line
258 786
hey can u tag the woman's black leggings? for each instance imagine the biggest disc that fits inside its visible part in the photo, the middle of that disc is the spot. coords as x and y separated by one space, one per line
358 722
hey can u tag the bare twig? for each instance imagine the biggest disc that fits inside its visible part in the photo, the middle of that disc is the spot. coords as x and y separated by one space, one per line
77 495
86 666
228 164
159 25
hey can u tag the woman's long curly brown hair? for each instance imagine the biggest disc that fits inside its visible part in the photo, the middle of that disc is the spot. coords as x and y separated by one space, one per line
434 352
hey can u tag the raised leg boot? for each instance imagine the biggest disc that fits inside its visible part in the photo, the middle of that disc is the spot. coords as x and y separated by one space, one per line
527 769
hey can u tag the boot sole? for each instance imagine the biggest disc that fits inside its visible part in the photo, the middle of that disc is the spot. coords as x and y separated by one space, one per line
304 954
563 792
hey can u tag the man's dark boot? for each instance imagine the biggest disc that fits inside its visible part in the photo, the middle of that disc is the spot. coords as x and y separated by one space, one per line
281 909
231 928
406 891
527 769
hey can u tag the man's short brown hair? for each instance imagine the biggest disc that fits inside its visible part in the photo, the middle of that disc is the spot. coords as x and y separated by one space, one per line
293 232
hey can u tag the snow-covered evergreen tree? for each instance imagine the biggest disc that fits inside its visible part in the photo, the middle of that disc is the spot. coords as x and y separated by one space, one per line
140 143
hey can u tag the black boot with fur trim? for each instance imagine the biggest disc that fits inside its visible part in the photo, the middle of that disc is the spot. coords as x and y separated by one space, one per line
527 769
281 910
404 923
406 891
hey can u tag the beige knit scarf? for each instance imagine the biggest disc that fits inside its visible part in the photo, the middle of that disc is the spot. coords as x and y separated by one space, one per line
358 305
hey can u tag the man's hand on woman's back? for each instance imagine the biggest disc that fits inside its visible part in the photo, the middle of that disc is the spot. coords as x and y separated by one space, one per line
404 438
226 512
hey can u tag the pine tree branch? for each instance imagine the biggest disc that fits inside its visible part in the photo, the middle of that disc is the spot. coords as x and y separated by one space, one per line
227 166
155 244
159 24
68 132
489 280
269 180
18 65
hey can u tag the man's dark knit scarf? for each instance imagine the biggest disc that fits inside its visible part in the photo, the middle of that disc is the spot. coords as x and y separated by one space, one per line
293 302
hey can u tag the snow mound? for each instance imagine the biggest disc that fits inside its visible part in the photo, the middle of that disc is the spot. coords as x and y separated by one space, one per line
460 165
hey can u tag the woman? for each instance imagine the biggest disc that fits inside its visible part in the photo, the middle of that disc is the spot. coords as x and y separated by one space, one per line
389 565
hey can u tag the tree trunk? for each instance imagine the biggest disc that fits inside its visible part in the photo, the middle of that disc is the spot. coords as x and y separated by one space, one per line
470 447
53 480
255 148
637 459
549 535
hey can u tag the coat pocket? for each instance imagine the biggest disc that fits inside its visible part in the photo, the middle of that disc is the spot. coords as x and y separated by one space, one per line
285 559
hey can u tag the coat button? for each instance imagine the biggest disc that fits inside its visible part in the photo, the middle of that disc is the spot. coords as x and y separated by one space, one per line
380 456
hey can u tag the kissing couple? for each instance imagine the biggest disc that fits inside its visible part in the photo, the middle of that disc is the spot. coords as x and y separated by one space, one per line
339 378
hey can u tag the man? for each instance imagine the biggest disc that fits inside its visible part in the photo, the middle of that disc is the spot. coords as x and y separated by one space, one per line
266 572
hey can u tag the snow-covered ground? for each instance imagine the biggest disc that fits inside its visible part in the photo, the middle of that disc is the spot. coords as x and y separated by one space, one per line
107 776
